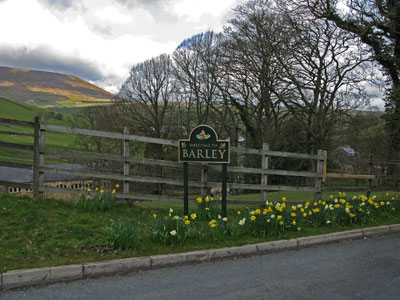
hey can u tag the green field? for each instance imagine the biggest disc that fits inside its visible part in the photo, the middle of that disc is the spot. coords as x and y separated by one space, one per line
13 110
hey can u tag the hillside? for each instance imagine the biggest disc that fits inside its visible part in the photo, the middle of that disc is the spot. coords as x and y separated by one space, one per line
46 89
24 112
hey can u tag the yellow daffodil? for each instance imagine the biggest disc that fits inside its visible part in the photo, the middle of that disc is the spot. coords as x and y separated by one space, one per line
281 223
154 216
293 214
117 185
193 216
187 222
252 218
279 217
298 228
225 219
199 200
257 211
284 199
294 223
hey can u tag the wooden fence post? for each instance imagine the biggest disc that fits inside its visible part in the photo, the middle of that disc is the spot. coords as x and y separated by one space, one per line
204 173
36 141
126 163
42 130
264 178
319 171
370 168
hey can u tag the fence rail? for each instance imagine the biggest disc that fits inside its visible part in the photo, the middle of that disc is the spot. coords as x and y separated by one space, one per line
40 169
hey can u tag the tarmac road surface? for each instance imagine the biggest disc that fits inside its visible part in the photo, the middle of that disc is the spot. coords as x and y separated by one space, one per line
360 269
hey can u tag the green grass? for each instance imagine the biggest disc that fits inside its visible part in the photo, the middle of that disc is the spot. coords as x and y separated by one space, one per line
49 232
300 197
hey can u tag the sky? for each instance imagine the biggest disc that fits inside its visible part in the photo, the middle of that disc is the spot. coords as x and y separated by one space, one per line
100 40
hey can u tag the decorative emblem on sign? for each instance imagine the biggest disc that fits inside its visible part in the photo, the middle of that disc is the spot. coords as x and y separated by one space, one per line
203 136
203 146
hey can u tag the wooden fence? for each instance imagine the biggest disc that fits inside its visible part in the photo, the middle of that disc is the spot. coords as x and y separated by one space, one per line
40 169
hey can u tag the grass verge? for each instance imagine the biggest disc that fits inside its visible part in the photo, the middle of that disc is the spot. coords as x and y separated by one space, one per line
50 232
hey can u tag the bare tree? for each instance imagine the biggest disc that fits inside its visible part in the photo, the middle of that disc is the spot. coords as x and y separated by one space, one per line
377 24
250 69
146 104
323 77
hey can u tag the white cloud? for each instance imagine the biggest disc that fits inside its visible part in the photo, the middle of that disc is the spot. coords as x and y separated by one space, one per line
106 34
193 10
112 14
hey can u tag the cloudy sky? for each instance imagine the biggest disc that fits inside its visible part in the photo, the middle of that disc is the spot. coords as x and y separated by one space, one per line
100 40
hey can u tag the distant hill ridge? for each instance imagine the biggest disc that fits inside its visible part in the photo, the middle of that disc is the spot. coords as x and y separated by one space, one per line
47 89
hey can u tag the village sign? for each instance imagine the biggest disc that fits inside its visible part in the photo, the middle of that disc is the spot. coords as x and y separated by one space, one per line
204 147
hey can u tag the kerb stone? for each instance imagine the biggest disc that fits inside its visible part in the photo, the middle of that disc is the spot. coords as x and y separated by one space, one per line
197 256
116 266
285 244
159 261
376 230
395 228
19 278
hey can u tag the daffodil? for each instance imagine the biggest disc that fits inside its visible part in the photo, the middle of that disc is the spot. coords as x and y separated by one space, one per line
193 216
284 199
257 211
154 216
253 218
199 200
187 222
207 199
242 221
117 185
225 219
173 232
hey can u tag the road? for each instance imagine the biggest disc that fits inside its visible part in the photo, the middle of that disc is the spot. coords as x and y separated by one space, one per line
361 269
